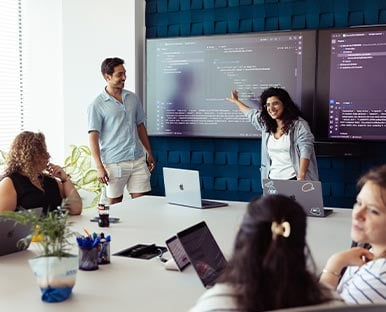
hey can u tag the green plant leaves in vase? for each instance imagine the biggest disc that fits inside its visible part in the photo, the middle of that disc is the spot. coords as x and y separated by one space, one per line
56 267
53 230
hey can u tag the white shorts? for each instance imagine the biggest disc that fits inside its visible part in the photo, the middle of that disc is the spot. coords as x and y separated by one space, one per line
134 174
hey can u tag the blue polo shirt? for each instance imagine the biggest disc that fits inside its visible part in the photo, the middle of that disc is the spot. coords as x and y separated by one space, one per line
117 126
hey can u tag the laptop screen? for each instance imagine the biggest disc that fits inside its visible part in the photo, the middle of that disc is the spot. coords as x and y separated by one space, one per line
203 252
178 253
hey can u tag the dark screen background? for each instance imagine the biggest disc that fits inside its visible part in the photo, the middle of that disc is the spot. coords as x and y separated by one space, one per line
351 85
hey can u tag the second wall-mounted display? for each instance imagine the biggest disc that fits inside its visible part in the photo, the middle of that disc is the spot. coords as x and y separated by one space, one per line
351 84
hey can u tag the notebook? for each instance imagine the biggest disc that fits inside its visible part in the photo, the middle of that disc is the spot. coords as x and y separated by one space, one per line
182 187
11 232
307 193
203 252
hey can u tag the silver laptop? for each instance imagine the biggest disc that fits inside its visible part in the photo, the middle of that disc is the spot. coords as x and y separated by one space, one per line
307 193
11 233
182 187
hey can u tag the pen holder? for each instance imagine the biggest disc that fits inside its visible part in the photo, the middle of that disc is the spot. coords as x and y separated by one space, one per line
104 252
88 258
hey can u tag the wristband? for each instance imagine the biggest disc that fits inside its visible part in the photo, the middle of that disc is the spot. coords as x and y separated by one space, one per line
65 179
336 274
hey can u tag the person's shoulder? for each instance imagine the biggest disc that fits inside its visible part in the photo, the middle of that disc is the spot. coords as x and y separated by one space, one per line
301 124
221 288
377 266
126 91
372 268
221 297
101 97
301 120
130 94
12 176
7 186
5 179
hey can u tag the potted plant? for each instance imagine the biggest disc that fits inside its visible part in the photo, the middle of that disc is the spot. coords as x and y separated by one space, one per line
84 177
55 267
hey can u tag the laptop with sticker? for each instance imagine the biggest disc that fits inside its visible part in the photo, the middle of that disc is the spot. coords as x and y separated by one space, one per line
182 187
307 193
203 252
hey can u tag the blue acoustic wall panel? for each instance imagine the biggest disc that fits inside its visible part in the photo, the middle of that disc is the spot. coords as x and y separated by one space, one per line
229 169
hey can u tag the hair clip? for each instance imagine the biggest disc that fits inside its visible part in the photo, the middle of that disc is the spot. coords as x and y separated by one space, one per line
282 229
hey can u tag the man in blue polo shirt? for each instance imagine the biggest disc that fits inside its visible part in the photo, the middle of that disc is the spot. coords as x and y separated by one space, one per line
118 137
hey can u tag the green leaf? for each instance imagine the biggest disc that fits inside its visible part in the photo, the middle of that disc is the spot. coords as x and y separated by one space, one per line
79 166
54 229
85 149
90 176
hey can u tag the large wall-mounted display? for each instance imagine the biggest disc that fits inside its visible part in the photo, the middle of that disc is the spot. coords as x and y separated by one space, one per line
351 84
188 79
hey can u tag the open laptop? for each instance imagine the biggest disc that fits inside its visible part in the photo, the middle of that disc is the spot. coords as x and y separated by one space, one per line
307 193
182 187
178 253
12 232
203 252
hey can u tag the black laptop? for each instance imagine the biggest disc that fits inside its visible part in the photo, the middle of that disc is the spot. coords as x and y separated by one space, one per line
203 252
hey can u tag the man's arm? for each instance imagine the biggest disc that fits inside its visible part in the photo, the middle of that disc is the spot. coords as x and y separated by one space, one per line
102 175
142 132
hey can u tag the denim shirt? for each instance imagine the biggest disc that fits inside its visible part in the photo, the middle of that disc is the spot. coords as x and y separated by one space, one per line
301 146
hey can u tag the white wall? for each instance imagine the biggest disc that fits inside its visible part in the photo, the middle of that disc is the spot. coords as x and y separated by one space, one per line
92 31
69 40
43 85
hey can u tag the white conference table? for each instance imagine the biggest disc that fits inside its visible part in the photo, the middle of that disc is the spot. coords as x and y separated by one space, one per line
145 285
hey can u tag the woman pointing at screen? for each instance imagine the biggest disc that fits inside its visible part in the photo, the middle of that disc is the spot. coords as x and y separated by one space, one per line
287 144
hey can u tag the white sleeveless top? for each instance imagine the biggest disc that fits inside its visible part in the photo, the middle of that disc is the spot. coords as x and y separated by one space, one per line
279 152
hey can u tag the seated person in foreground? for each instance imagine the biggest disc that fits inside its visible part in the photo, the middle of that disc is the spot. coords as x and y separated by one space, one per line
364 280
30 181
268 268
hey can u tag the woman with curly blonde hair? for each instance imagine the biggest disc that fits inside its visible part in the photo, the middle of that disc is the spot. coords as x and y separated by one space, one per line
31 181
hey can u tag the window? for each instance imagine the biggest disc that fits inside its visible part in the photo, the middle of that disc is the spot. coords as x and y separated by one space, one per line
11 71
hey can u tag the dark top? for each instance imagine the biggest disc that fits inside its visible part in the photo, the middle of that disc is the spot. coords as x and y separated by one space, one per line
29 196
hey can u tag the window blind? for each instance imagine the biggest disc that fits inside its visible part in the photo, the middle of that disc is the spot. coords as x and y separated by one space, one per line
11 71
